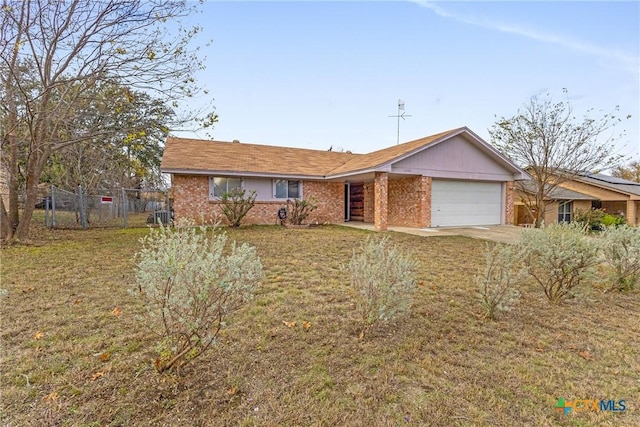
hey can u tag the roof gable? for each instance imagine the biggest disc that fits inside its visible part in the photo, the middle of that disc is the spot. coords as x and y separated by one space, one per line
379 158
460 157
192 156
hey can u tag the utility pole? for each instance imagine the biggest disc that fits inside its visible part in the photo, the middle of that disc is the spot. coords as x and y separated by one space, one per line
400 116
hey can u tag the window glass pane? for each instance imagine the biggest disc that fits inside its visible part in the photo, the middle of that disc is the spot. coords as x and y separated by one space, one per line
219 186
293 190
234 183
564 212
281 188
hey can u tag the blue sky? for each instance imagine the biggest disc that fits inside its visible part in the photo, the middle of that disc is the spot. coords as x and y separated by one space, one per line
320 74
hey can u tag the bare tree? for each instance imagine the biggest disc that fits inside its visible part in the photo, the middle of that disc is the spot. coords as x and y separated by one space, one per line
554 146
70 47
630 172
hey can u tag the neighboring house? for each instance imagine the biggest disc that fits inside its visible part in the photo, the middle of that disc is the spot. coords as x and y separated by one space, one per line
560 204
586 191
453 178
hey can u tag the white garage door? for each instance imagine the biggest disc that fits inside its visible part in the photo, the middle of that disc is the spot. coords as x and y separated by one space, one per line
457 203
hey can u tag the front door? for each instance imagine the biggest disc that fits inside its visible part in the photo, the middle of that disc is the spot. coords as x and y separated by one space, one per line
356 202
347 201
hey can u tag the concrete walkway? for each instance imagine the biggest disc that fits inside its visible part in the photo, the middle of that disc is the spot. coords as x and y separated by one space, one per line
494 233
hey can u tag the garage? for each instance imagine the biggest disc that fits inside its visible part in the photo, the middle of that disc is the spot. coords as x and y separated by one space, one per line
462 203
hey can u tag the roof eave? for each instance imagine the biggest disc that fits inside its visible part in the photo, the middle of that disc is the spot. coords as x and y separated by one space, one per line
609 187
244 174
359 172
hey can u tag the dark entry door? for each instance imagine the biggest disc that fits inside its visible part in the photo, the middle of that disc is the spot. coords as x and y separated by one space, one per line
356 202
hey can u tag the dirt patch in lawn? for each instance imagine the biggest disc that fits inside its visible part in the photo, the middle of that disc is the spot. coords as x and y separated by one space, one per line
73 352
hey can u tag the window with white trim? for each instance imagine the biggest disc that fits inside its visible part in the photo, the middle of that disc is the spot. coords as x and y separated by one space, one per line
219 185
286 189
564 212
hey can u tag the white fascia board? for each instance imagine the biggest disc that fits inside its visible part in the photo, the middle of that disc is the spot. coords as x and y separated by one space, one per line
241 174
385 167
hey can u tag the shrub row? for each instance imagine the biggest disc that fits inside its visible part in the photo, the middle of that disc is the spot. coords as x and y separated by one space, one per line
190 282
559 258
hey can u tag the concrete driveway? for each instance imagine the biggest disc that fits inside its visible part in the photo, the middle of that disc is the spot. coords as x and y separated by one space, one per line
494 233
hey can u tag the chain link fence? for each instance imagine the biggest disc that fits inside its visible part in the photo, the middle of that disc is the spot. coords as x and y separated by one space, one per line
145 207
107 208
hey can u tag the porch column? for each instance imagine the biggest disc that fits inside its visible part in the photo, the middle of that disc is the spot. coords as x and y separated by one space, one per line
425 202
631 212
380 200
509 203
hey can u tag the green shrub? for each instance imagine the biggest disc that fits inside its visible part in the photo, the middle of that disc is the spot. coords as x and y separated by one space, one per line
621 250
590 219
236 204
559 258
609 220
497 280
190 285
299 209
383 278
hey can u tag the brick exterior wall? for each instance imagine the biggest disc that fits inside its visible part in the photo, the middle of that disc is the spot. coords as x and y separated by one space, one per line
509 200
368 202
425 214
191 200
330 201
410 201
403 202
381 201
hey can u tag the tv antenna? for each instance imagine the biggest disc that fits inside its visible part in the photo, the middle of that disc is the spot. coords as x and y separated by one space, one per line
400 116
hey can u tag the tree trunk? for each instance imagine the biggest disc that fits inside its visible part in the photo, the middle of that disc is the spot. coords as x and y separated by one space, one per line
540 208
14 186
35 166
12 165
6 231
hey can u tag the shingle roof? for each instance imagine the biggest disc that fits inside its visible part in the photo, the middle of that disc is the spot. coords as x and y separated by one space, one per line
611 182
380 157
181 154
556 193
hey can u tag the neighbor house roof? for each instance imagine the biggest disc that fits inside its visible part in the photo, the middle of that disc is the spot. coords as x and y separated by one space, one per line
556 193
611 183
192 156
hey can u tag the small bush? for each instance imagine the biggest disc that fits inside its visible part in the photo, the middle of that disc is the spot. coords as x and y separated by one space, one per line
558 257
236 204
384 281
190 285
496 282
299 209
609 220
621 250
591 219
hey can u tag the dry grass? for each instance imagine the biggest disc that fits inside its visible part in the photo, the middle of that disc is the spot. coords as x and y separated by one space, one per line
74 354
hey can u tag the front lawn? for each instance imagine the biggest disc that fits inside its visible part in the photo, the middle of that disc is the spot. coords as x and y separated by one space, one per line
74 352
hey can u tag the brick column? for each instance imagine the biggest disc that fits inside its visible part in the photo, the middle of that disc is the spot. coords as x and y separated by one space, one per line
509 202
631 212
380 200
425 202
